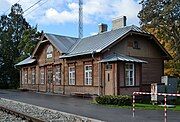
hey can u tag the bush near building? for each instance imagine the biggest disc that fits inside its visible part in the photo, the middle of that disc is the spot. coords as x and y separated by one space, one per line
120 100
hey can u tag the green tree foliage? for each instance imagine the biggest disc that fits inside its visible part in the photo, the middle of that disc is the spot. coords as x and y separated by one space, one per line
162 18
13 32
28 42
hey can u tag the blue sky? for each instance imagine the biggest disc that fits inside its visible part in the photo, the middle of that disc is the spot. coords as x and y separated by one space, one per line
61 16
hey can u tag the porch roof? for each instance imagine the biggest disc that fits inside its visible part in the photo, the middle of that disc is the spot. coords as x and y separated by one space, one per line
28 60
120 57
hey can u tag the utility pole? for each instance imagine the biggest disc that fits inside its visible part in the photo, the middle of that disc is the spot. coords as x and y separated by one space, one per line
80 19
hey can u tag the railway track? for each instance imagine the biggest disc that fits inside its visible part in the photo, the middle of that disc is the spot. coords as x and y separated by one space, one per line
21 115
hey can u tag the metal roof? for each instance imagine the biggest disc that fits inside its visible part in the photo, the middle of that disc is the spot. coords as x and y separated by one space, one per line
100 41
62 43
28 60
120 57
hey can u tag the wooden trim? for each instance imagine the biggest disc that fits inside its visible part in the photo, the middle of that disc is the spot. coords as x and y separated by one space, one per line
104 66
124 69
81 86
64 75
114 79
118 78
53 78
27 76
46 78
71 62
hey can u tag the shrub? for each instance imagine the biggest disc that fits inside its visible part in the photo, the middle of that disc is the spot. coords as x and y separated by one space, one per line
120 100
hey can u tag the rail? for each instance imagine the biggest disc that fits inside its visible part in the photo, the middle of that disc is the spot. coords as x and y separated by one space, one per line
21 115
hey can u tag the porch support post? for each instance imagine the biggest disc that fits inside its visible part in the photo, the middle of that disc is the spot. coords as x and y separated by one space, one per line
100 79
115 79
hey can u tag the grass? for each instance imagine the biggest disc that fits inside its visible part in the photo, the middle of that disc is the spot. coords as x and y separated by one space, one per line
140 106
155 107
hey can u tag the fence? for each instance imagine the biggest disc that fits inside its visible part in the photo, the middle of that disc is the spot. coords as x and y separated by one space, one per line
160 94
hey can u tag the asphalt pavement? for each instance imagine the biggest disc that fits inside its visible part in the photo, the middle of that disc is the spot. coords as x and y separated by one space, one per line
84 107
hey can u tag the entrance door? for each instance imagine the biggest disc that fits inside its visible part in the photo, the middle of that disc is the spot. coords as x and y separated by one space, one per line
109 83
49 80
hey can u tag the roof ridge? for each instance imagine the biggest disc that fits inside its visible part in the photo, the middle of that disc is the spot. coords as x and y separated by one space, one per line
108 31
61 35
74 45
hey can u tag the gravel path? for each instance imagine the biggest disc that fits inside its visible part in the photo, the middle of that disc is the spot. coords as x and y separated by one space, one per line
45 114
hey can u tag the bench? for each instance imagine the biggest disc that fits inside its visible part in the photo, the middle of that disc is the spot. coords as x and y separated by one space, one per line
81 94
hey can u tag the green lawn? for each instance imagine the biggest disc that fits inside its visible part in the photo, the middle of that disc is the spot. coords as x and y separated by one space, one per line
141 106
155 107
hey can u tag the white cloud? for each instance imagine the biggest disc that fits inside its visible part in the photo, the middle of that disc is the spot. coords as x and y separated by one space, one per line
93 33
66 11
53 16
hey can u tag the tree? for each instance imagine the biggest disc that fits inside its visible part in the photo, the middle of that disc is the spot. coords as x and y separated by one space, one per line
162 18
28 42
13 28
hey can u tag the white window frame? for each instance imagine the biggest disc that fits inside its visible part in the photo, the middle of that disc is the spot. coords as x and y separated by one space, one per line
128 78
72 75
58 74
42 74
87 77
49 52
33 75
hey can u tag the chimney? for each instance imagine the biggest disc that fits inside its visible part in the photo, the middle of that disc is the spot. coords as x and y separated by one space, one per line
102 27
118 23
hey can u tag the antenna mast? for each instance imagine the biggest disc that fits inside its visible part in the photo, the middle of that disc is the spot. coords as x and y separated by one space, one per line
80 19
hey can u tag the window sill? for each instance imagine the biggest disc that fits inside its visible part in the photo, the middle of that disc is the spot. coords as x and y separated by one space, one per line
87 84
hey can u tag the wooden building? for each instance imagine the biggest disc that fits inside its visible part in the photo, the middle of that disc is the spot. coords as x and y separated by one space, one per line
119 61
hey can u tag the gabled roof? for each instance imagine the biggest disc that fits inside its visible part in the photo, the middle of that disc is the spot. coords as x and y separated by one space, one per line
100 41
62 43
28 60
120 57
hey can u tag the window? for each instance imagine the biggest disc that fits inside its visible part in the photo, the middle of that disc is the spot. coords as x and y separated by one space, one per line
25 76
108 66
129 74
33 75
49 75
58 74
49 53
88 74
108 76
136 45
71 75
22 77
42 76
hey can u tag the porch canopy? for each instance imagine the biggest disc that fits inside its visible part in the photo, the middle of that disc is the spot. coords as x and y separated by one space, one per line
28 60
120 57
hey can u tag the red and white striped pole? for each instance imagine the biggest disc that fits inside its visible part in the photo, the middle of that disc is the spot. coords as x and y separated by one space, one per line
133 104
160 94
165 108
